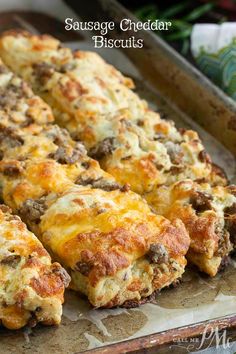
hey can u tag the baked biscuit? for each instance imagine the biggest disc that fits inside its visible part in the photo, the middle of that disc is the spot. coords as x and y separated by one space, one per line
96 104
94 101
117 251
31 287
99 234
209 214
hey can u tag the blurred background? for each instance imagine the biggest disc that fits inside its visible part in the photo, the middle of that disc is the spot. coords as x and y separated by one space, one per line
183 14
204 32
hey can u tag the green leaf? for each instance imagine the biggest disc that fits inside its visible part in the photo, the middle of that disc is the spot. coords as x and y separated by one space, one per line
179 35
198 12
174 10
147 12
179 24
185 47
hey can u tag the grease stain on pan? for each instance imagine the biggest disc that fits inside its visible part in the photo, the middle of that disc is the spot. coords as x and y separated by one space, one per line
197 298
197 289
77 310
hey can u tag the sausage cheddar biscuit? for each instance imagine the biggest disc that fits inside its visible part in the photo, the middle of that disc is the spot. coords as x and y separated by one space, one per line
94 101
209 214
116 250
31 287
96 104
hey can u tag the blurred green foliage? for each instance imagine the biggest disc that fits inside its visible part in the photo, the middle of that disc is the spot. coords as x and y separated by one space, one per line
182 17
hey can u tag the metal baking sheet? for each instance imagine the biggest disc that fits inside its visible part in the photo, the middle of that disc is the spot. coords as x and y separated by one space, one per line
198 298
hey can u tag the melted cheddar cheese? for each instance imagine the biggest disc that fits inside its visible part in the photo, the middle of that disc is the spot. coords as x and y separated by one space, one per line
209 214
95 103
116 250
105 238
31 287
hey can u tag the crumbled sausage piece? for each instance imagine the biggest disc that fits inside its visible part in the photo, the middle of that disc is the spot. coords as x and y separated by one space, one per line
62 156
65 154
105 185
175 170
5 209
84 181
140 122
10 95
67 67
232 189
182 130
204 156
58 270
28 121
11 168
159 137
8 100
11 261
103 149
201 201
43 72
85 165
126 158
84 267
201 180
58 135
125 188
157 253
231 227
231 209
218 171
9 137
224 245
32 210
159 166
230 222
101 183
175 153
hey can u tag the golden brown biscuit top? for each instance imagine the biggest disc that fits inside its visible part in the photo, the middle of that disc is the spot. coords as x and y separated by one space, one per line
28 278
209 213
94 102
101 226
19 106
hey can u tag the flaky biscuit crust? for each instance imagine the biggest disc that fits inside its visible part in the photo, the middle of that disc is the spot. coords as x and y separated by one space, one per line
31 287
94 101
115 249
